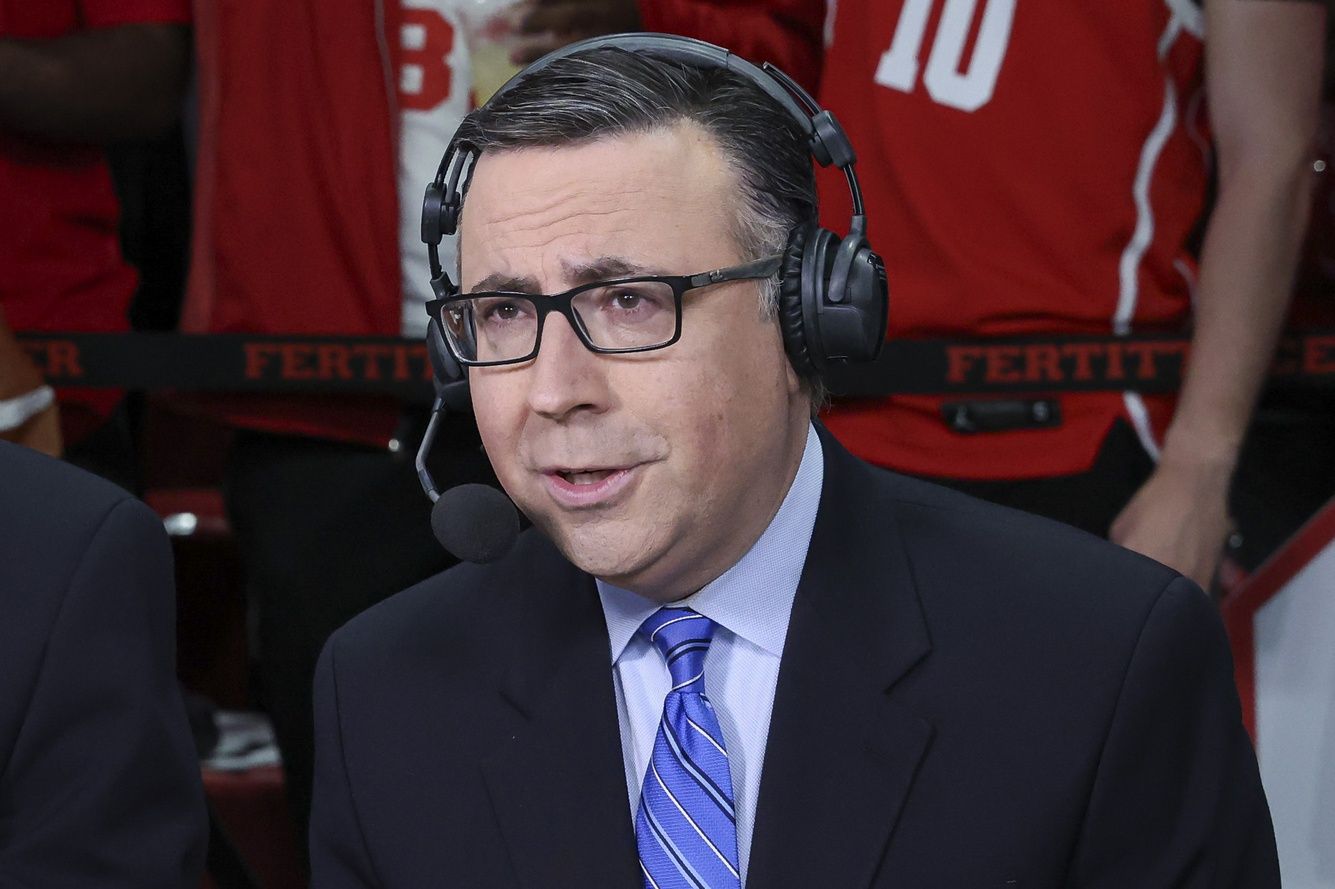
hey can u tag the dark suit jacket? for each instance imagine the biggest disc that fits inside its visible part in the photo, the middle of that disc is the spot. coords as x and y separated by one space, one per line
969 696
99 779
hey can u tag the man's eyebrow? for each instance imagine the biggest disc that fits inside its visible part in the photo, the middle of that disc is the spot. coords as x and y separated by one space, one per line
605 268
506 284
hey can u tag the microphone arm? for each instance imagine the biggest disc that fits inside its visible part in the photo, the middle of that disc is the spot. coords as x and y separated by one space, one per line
450 396
476 523
429 439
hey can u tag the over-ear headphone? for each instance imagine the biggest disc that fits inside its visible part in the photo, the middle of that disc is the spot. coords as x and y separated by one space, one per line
833 298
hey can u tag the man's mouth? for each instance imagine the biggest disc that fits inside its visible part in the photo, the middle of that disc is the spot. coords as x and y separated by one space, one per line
587 486
585 476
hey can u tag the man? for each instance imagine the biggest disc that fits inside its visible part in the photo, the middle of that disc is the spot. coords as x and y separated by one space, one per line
730 653
99 779
75 76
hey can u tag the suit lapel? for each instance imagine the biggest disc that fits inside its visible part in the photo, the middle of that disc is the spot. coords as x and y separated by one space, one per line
558 788
842 754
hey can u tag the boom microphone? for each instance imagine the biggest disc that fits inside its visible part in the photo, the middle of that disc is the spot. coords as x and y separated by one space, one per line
477 523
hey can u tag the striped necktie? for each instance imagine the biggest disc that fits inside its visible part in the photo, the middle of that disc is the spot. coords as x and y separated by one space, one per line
685 828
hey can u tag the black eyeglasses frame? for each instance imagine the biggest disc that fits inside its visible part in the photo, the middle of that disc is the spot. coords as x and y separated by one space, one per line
545 304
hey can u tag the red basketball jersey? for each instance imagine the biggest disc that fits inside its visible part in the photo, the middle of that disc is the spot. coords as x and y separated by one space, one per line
61 266
1029 167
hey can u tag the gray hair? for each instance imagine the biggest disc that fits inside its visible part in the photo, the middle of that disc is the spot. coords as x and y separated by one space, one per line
610 91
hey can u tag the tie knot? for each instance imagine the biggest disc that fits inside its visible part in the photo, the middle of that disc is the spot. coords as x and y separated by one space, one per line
682 637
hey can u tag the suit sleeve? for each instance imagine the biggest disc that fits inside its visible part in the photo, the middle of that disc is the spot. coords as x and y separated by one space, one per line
788 33
1177 800
103 785
339 857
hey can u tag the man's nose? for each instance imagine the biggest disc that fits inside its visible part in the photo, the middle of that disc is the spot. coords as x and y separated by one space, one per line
565 377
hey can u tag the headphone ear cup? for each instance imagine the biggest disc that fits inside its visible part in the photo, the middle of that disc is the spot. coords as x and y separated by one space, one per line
792 320
869 291
433 207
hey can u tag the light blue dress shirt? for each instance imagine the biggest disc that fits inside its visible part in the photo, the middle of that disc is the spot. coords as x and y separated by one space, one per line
751 603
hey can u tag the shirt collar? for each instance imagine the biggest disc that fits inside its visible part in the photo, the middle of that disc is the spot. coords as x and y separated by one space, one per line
753 598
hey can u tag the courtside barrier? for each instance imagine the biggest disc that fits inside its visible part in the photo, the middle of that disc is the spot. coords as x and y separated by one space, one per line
237 362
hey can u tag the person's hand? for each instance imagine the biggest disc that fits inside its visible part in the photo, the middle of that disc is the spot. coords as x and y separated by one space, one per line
1180 517
546 25
41 433
19 375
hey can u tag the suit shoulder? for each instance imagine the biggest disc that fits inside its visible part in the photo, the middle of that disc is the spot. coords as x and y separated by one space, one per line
77 552
45 496
1034 559
56 513
467 609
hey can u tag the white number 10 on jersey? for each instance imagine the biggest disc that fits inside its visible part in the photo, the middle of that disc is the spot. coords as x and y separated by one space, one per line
945 82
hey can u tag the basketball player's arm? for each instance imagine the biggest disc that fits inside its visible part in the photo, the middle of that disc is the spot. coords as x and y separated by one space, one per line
784 32
551 24
787 33
95 86
19 376
1263 76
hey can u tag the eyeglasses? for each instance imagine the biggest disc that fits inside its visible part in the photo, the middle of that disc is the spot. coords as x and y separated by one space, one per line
611 317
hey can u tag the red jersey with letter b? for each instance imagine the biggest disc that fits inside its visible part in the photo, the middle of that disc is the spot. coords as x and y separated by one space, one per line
1029 167
315 227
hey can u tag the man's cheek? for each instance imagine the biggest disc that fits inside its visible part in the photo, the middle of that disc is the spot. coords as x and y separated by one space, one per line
503 454
491 429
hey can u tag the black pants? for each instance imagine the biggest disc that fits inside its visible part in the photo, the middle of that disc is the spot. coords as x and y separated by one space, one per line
325 530
1089 500
1286 471
109 450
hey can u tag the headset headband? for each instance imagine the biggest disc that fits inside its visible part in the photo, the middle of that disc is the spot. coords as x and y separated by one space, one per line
826 139
700 54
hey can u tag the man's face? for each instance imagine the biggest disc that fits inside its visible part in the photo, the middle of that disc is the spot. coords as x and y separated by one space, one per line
655 471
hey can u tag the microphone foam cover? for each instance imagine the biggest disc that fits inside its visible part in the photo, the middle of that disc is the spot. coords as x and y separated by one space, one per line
476 523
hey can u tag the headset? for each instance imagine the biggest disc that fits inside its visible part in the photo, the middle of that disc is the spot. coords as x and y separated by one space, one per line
833 296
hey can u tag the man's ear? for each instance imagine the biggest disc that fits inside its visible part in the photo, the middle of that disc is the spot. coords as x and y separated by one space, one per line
793 381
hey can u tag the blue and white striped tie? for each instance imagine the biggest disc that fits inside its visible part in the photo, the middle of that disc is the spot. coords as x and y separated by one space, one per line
686 829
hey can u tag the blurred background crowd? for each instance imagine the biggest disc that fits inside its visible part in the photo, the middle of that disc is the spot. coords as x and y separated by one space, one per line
1031 168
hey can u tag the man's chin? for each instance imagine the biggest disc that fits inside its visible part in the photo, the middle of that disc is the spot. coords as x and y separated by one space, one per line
618 555
618 569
